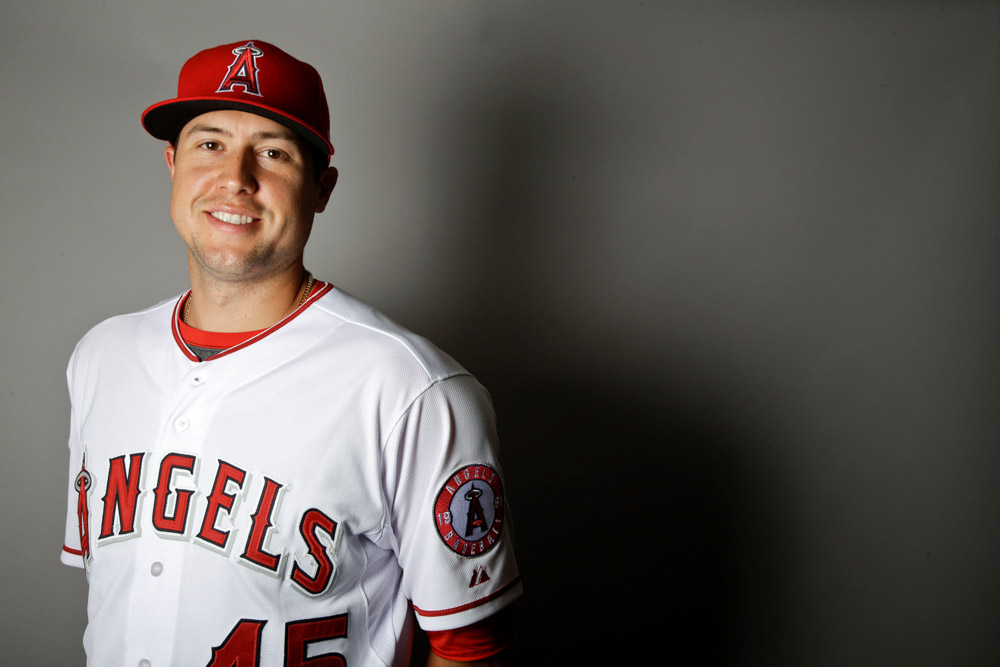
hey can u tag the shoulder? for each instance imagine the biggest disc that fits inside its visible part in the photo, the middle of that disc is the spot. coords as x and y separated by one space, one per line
376 339
120 330
128 322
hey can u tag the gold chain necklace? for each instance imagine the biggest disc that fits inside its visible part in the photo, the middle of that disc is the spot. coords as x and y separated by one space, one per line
309 285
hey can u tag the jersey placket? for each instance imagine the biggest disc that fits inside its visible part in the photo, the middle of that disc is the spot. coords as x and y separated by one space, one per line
157 592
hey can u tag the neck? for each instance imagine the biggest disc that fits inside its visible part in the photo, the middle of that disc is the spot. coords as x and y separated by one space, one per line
226 307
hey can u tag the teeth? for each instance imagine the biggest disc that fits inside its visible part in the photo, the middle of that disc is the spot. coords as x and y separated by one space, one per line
232 218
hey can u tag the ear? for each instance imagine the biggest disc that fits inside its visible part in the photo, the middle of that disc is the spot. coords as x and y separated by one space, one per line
169 152
327 181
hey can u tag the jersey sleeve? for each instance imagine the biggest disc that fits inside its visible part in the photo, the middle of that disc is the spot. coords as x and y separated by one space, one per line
449 515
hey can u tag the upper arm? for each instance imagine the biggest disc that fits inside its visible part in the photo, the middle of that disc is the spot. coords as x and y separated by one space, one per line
447 507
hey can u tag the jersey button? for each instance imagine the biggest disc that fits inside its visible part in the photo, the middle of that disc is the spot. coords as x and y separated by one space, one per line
182 423
198 380
145 663
156 569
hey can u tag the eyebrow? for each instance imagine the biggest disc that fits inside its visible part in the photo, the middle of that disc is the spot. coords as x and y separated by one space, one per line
211 129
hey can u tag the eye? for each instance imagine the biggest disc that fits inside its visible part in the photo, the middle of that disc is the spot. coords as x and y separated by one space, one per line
210 145
272 154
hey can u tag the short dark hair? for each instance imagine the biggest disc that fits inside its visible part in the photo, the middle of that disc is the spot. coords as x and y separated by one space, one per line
320 160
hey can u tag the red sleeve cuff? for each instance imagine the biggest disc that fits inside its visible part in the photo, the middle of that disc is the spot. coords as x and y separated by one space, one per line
474 642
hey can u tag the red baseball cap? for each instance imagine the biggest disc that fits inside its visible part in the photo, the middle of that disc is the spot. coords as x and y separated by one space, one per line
251 76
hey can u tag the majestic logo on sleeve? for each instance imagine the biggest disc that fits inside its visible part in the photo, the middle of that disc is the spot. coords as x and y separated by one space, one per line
468 511
243 71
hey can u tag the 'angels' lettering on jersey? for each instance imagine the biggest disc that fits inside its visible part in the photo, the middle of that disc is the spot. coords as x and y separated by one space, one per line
173 516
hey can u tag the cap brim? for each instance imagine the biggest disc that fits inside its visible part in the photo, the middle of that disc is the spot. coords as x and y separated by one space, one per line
165 120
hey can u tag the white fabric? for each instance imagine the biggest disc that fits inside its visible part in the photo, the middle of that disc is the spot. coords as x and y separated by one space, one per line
359 421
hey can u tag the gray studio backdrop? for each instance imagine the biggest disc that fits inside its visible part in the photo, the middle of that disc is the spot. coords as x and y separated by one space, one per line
730 270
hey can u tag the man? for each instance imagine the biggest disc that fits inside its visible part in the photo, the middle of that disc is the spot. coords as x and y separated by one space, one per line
266 471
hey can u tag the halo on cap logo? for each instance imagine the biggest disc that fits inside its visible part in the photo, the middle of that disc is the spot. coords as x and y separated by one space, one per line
468 511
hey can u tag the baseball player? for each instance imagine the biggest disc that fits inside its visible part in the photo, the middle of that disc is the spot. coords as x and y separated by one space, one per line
265 470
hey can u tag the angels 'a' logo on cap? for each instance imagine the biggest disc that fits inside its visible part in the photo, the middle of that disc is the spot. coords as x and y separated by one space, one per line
468 512
243 71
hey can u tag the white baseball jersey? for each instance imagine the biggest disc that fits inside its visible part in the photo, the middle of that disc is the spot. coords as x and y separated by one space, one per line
306 493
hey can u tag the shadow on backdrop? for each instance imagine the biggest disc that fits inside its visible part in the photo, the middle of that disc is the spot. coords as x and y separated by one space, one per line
648 523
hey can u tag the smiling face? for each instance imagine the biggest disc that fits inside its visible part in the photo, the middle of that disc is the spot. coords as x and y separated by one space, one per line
244 195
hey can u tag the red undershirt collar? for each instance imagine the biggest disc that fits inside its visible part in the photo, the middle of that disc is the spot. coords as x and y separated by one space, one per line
220 343
213 339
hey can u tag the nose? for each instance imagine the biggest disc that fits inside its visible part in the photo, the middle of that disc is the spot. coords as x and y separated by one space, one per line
236 173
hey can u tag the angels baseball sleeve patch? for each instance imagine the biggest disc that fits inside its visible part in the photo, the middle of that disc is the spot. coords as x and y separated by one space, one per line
468 512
